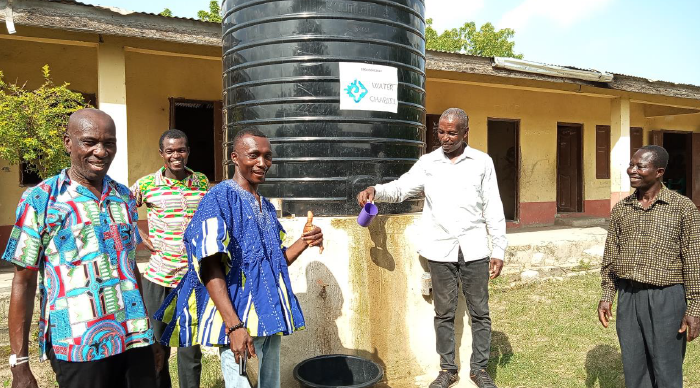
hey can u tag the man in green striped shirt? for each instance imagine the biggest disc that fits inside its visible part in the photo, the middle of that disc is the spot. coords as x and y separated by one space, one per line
171 195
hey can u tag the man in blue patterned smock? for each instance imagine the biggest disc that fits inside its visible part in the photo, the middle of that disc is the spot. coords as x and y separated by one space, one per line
237 293
78 231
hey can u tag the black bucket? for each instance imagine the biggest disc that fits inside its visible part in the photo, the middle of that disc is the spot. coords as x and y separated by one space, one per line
338 371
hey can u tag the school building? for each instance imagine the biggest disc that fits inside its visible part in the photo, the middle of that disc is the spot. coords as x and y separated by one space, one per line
560 138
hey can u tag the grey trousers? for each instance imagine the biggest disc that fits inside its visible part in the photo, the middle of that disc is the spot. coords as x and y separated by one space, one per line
474 276
189 360
648 319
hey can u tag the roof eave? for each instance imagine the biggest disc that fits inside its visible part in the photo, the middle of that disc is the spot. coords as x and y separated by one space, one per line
99 20
463 63
73 16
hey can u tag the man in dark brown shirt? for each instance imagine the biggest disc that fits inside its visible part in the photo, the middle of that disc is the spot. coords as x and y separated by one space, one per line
652 258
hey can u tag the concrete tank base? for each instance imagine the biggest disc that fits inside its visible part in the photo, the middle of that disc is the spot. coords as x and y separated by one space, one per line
362 297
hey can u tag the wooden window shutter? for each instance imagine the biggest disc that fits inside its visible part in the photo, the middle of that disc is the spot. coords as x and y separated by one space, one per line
171 118
431 127
695 169
602 152
636 139
657 138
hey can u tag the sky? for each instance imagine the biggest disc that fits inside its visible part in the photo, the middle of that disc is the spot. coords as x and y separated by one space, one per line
658 40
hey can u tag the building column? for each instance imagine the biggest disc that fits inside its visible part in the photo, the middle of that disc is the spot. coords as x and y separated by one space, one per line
111 98
620 152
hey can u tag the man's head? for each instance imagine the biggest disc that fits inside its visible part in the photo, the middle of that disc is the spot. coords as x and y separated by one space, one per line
453 129
174 148
647 166
91 141
252 155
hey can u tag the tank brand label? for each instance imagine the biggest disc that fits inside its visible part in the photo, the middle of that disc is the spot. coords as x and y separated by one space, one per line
354 8
368 87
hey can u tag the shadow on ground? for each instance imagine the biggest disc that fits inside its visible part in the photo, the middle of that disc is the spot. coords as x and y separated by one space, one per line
604 366
501 353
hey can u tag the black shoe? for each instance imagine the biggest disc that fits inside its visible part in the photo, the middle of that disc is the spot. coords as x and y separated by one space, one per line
445 379
482 379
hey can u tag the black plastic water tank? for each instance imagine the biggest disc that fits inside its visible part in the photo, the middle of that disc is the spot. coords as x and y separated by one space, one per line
281 76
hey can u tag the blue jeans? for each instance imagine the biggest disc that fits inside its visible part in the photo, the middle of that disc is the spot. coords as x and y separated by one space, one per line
268 351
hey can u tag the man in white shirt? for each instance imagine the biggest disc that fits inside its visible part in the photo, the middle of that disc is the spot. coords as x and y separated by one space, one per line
462 210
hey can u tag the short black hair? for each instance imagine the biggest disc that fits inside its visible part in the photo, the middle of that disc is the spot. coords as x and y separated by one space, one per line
456 114
173 134
659 155
246 132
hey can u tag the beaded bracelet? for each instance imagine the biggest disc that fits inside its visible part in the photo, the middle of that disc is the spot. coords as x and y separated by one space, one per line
233 328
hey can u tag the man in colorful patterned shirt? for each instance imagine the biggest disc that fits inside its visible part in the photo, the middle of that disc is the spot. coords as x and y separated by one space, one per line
171 195
237 293
78 231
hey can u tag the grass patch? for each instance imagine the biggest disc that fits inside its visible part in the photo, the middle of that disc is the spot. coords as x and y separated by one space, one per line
583 266
547 335
211 372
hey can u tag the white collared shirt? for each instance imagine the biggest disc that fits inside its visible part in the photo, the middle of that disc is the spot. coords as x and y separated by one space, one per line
462 205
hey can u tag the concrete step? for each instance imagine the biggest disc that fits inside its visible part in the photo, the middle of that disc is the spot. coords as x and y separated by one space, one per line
554 250
579 221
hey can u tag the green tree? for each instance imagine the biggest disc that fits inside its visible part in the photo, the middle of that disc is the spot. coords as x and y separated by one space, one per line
166 12
32 124
214 14
485 42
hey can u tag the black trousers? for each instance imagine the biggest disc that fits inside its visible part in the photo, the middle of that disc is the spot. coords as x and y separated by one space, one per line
648 319
474 276
134 368
189 359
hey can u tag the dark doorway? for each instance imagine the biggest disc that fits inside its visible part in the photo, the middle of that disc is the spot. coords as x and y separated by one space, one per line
636 140
569 172
684 161
678 174
28 177
201 121
503 148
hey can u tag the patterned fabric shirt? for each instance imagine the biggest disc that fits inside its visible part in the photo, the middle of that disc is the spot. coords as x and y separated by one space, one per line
171 205
230 221
84 250
658 246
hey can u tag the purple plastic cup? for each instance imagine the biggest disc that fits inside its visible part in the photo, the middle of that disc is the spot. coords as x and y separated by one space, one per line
367 214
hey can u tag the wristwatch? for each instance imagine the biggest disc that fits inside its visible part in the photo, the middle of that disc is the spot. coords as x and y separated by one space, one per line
14 360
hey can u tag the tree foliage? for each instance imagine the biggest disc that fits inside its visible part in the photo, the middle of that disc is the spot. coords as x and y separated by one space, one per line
214 14
166 12
32 124
485 42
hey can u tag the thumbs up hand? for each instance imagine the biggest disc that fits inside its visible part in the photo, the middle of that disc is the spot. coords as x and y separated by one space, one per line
312 234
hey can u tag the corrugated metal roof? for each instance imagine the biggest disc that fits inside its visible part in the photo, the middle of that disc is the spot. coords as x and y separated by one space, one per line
122 11
574 68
